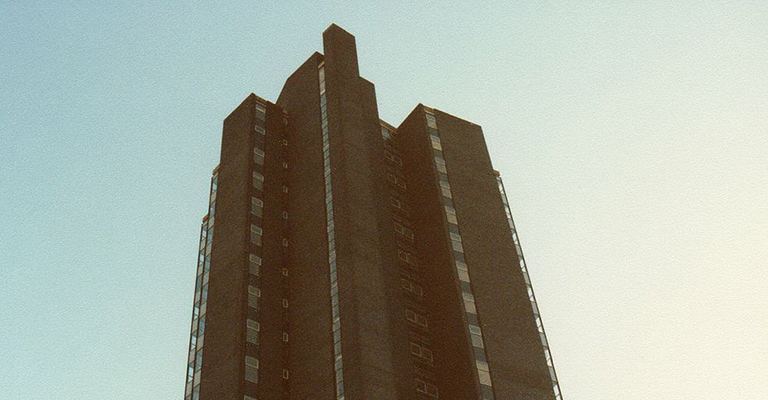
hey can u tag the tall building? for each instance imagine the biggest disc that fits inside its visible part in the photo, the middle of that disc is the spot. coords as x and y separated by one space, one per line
344 258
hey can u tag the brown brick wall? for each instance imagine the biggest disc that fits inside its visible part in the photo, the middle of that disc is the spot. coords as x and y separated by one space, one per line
365 246
451 348
310 350
221 376
375 336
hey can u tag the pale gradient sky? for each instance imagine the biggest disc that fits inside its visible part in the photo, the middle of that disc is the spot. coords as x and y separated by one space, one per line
632 139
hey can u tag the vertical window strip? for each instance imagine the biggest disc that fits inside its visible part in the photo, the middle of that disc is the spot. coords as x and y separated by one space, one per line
462 270
195 357
252 326
529 288
386 133
417 323
335 313
195 314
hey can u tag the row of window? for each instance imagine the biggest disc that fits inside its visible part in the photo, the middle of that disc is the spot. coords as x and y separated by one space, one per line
416 320
252 371
400 182
258 182
334 284
411 287
253 327
426 388
401 229
422 352
197 335
399 205
393 158
529 288
476 334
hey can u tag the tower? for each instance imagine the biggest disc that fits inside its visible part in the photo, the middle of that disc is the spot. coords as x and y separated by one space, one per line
344 258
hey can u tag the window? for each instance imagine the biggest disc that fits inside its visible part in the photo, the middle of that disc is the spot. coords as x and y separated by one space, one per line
285 165
469 306
257 207
406 256
285 242
210 234
285 337
440 164
251 369
457 245
472 319
431 122
386 133
252 331
261 111
285 214
436 143
450 213
393 157
411 287
399 228
285 189
463 273
322 80
285 271
416 318
256 233
285 374
199 360
285 303
285 142
426 388
191 367
484 375
254 264
477 340
258 156
259 130
444 181
487 391
258 180
253 296
421 351
453 230
396 180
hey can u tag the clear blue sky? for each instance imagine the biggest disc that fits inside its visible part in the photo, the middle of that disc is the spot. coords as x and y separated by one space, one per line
632 138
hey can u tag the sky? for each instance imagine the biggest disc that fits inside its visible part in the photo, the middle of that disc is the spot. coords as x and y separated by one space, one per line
632 138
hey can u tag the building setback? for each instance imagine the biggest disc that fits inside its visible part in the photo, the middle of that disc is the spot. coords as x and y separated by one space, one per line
344 258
